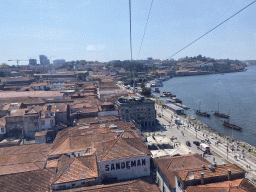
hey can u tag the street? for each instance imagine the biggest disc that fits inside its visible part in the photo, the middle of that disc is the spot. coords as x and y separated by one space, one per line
187 132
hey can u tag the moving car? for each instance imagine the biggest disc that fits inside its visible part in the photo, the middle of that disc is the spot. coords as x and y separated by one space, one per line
188 143
205 148
157 121
197 143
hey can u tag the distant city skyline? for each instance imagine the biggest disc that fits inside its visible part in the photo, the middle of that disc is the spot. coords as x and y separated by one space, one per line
99 30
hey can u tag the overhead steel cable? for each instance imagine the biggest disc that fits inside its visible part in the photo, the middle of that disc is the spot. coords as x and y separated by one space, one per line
130 12
213 29
145 28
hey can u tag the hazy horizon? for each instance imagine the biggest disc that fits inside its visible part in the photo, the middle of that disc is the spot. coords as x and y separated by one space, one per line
99 30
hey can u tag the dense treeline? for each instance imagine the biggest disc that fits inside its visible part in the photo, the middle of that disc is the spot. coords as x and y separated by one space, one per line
129 66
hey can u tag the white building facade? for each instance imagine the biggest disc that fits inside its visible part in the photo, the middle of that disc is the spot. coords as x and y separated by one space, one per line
122 169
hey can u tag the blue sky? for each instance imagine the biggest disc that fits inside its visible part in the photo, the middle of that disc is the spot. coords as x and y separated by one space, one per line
99 29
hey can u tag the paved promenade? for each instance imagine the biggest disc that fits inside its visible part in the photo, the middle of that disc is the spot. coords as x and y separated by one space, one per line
188 131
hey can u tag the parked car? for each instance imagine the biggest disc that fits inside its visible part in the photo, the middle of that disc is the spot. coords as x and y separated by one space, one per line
188 143
197 143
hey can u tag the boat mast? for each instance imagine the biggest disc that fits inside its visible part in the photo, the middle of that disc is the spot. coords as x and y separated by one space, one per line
228 117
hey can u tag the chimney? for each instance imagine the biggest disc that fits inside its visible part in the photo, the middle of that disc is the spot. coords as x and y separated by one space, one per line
202 178
229 175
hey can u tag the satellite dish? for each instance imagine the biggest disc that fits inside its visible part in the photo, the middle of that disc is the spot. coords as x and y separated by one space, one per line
191 176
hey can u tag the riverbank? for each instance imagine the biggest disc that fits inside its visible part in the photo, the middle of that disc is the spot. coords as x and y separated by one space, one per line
210 131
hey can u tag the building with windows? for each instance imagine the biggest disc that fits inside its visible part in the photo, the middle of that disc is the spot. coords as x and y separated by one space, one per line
179 173
138 109
44 60
58 61
32 62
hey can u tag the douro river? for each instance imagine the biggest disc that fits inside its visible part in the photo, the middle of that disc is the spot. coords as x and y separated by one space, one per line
235 92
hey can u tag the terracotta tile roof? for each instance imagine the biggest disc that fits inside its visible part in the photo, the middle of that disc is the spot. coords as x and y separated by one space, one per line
39 84
30 94
238 185
75 169
41 133
95 120
82 105
17 168
61 107
107 103
23 158
52 163
17 112
88 110
33 148
220 170
25 100
2 122
168 165
81 138
139 185
121 148
32 181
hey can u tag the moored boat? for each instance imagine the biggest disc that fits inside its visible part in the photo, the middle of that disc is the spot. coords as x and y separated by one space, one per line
198 112
232 126
218 114
157 90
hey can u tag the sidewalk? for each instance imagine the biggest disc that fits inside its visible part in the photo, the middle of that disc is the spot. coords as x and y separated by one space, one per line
220 149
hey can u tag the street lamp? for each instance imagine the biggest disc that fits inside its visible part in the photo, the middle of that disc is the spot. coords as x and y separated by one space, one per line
227 151
196 132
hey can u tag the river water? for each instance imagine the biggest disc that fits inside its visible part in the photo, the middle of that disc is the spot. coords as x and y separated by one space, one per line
235 93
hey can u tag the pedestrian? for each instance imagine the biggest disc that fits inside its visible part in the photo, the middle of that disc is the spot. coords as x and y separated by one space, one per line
246 166
213 159
249 167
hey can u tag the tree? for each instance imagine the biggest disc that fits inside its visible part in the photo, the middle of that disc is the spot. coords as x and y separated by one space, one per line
47 88
146 91
142 85
4 65
82 62
82 76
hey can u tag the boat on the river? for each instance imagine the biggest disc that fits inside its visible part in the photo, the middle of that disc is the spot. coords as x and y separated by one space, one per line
157 90
174 100
199 112
166 94
232 126
218 114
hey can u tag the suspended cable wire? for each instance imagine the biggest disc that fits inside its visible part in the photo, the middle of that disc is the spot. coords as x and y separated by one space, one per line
213 29
130 12
145 28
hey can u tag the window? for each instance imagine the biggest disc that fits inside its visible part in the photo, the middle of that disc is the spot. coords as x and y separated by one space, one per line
52 122
42 122
73 185
2 130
